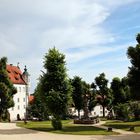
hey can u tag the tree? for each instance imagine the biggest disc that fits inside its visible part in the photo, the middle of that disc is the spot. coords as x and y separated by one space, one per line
120 90
7 90
135 108
104 97
56 86
86 98
123 111
92 97
77 94
133 54
37 108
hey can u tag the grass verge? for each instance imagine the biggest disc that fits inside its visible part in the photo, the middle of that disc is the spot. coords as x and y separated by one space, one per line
124 125
68 128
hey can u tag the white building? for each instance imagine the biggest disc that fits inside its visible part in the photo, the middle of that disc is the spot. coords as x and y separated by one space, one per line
97 111
20 81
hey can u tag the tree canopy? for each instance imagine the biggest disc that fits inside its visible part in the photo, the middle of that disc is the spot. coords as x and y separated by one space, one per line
7 90
77 94
133 54
104 97
56 86
120 90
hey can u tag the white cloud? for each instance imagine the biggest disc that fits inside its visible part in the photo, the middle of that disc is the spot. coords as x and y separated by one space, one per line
29 28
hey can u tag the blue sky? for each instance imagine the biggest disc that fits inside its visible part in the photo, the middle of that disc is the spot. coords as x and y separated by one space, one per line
93 34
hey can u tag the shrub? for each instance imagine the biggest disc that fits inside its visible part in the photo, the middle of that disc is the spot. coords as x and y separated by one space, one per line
123 112
135 107
56 123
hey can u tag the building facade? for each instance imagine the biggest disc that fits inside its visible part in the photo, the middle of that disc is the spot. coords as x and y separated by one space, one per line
97 111
21 82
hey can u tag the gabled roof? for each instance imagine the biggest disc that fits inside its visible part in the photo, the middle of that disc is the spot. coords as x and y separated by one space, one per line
15 74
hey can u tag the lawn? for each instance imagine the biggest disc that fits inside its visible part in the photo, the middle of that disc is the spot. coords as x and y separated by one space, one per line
68 128
124 125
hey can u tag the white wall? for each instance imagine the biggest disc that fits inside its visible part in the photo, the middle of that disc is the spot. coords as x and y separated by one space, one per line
97 111
20 103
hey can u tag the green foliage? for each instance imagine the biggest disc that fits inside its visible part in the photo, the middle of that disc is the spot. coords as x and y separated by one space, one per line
120 90
37 108
56 123
77 94
55 86
104 97
56 103
7 90
135 108
134 71
123 112
92 101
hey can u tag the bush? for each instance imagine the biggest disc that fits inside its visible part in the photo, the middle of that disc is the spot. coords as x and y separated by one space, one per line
135 107
56 123
123 112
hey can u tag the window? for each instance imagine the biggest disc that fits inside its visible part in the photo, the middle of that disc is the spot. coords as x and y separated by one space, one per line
94 113
18 100
12 108
24 89
23 99
18 107
24 106
101 112
19 89
101 107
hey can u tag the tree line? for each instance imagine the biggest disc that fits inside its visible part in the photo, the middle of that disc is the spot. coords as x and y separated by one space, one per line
56 92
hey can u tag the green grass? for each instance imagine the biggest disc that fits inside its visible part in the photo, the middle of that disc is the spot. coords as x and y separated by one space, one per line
68 128
124 125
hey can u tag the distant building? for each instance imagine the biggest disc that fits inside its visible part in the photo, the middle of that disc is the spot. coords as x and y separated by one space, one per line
21 82
97 111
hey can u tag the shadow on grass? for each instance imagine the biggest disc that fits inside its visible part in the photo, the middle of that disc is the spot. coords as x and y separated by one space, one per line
70 129
76 130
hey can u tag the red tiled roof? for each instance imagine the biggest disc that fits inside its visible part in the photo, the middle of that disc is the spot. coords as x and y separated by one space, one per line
15 74
31 98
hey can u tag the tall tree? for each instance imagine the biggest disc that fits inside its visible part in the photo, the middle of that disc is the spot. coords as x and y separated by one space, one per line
119 95
104 97
7 90
134 71
56 86
77 94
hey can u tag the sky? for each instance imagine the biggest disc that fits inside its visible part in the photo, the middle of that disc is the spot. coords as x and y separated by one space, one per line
94 35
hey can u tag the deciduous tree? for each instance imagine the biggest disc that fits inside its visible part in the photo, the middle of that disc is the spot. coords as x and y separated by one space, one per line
77 94
104 97
7 90
134 71
56 86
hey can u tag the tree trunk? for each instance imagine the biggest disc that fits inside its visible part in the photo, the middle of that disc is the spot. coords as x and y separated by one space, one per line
79 114
103 111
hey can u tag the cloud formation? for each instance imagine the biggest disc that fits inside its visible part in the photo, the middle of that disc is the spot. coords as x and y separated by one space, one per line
84 30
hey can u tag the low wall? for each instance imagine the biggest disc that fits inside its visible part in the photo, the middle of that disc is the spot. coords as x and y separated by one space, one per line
94 121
